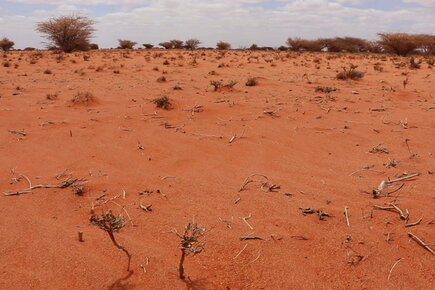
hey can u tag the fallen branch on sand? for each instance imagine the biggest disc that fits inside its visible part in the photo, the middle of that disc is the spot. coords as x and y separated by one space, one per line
387 183
66 183
394 208
320 213
421 243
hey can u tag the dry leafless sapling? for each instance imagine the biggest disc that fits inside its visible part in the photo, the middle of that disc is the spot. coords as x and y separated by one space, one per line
111 224
189 244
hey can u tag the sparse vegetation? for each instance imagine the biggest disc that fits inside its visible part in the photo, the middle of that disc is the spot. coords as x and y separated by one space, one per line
221 45
68 33
350 73
84 98
192 43
6 44
251 82
189 244
398 43
163 103
126 44
148 45
111 224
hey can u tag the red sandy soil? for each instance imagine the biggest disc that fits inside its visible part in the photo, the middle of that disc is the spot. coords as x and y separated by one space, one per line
311 144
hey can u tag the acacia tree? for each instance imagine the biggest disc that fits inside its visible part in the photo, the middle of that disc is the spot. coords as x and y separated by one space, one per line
6 44
126 44
398 43
192 43
68 33
177 44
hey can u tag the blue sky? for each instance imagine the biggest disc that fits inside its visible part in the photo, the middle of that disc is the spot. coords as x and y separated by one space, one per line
240 22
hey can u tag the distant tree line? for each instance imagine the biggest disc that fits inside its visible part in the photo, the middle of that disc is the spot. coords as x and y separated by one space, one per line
73 33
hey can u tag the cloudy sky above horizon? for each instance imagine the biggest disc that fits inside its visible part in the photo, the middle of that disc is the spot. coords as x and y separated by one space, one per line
240 22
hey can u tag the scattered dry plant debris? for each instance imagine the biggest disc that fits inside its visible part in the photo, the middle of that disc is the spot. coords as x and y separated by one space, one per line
379 149
111 224
266 186
326 90
319 212
394 208
421 243
387 183
66 183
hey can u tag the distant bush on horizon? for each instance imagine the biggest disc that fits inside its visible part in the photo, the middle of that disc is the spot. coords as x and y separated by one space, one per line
221 45
6 44
126 44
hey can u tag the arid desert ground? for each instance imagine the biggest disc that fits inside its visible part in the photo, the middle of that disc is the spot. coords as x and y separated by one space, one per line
317 214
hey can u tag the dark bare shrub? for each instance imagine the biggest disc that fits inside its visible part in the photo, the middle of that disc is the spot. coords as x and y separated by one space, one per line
189 244
346 44
126 44
163 103
398 43
299 44
94 46
251 82
166 45
350 73
177 44
192 43
6 44
221 45
68 33
148 45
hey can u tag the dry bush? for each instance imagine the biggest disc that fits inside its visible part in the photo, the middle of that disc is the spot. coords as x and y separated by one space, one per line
94 46
148 45
398 43
163 103
126 44
48 72
221 45
177 44
161 79
190 244
346 44
192 43
299 44
68 33
111 224
426 43
6 44
84 98
251 82
166 45
350 73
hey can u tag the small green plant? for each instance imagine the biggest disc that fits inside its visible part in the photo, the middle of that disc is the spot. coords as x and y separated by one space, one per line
189 244
350 73
163 103
111 224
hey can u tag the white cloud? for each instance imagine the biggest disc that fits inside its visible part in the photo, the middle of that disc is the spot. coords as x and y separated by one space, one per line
427 3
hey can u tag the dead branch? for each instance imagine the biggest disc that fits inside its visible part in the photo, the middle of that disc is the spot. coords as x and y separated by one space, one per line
18 132
244 238
414 223
66 183
320 213
346 215
394 208
394 265
387 183
420 242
